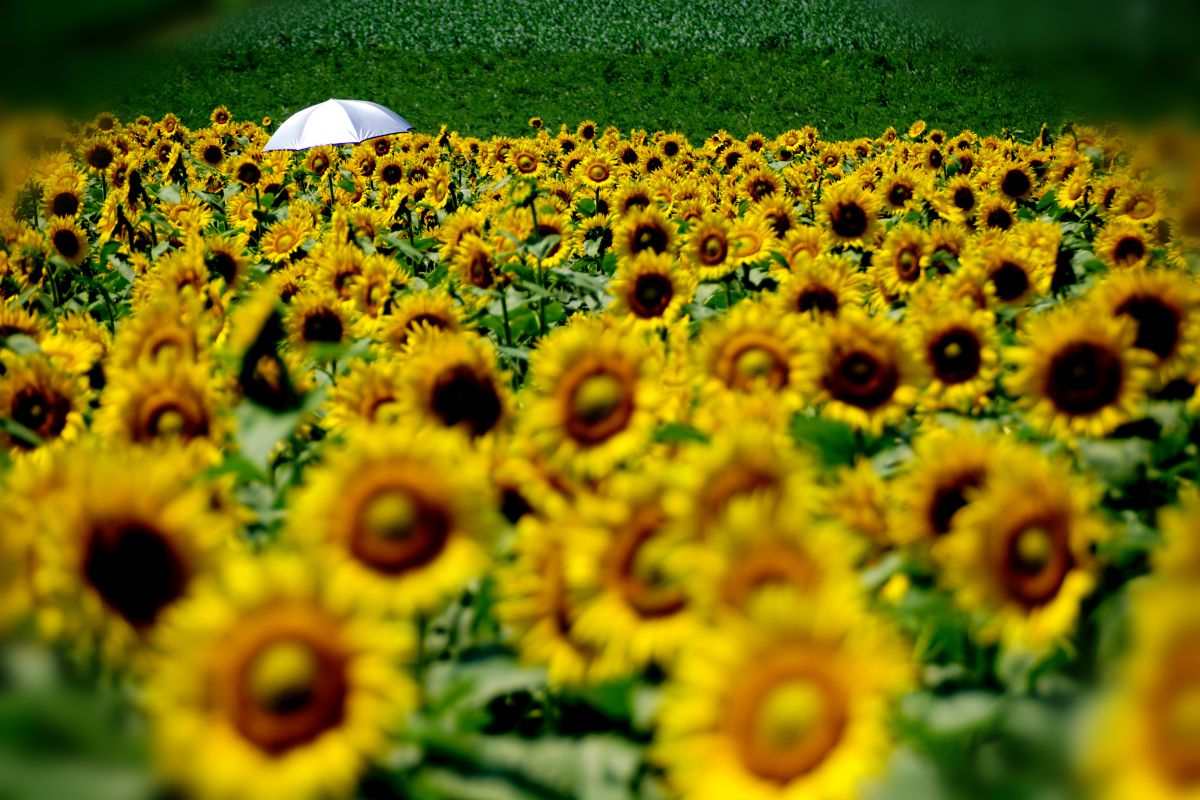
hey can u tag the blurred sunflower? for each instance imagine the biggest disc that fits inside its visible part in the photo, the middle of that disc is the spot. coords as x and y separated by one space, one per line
454 381
129 533
401 517
1165 308
792 705
592 398
1078 374
650 290
270 682
1019 555
863 373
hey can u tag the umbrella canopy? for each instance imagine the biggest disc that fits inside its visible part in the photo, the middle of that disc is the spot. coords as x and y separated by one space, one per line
336 122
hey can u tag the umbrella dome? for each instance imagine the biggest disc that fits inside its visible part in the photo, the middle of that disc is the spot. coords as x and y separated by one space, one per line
336 122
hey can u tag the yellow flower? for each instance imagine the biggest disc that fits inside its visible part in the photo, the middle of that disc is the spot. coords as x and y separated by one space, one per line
453 380
650 290
958 343
591 398
1019 555
849 213
401 516
862 371
45 401
269 682
124 535
793 704
1078 374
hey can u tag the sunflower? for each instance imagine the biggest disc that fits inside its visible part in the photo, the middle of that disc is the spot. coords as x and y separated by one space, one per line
592 398
64 201
792 705
741 464
269 682
816 289
959 346
646 229
1019 555
763 549
318 322
996 213
164 401
415 312
98 154
751 241
596 171
1015 181
69 241
864 375
849 213
367 394
1078 374
525 159
226 258
1165 307
1140 203
165 328
900 263
860 499
1015 273
650 290
749 350
318 160
46 402
900 190
16 321
948 469
707 248
547 225
127 534
209 151
629 610
1122 244
538 612
631 197
453 381
401 516
246 170
474 263
1155 752
283 240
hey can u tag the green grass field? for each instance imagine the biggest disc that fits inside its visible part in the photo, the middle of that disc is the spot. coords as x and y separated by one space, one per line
849 68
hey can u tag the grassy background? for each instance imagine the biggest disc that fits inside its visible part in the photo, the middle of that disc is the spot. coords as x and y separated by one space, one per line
849 67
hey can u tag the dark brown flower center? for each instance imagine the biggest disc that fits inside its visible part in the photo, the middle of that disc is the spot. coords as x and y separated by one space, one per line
213 154
134 568
649 236
324 326
1010 281
1084 378
1157 324
1015 183
651 295
67 243
849 220
820 299
291 688
955 355
964 198
1036 558
64 204
462 396
44 413
899 194
859 378
999 218
1129 250
950 498
249 173
599 405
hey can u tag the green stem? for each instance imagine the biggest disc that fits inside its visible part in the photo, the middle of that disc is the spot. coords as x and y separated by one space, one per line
728 294
504 313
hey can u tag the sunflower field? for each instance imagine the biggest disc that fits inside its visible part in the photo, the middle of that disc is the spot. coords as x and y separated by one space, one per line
598 464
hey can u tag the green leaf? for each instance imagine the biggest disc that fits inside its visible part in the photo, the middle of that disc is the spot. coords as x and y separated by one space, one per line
21 344
833 441
675 433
